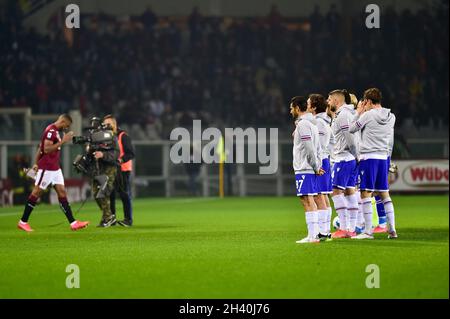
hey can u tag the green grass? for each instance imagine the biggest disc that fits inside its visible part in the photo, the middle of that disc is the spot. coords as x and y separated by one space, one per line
231 248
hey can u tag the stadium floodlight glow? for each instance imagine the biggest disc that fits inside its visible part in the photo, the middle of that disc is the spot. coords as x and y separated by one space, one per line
256 140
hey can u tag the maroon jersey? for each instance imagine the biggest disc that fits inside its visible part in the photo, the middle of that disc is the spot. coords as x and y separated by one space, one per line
49 161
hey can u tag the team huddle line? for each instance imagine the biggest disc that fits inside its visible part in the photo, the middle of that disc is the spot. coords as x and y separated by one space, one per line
342 149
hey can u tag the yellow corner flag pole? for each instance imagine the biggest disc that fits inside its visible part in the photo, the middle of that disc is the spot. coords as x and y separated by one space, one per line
221 150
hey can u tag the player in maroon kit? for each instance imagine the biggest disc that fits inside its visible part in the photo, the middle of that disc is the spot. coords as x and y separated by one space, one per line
49 172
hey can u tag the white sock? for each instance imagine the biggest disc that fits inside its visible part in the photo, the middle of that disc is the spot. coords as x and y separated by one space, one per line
360 216
367 210
341 210
347 220
323 218
312 222
316 224
352 208
329 213
390 215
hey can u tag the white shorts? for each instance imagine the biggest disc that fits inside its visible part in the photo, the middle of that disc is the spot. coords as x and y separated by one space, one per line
45 178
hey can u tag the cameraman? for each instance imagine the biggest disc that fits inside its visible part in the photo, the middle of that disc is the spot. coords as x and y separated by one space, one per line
122 183
107 163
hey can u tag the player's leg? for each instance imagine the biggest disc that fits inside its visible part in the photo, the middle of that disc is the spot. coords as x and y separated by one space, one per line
58 181
360 218
390 214
366 203
360 215
322 188
312 219
64 203
382 186
338 197
381 228
67 210
29 206
325 188
352 209
367 178
306 190
327 200
351 197
322 213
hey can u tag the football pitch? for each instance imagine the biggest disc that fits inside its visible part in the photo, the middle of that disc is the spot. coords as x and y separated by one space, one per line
222 248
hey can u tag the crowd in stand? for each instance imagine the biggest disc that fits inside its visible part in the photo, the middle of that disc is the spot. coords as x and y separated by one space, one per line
157 72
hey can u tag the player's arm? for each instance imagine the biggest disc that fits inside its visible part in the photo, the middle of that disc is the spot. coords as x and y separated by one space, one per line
49 147
358 123
344 126
360 119
306 140
391 137
37 156
331 143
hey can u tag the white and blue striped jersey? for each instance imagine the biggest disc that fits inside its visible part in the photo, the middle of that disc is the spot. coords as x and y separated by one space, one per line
377 133
345 148
306 149
323 122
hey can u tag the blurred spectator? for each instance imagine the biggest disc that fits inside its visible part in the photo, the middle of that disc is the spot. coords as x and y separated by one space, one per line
332 20
230 70
42 92
316 20
195 25
274 18
149 18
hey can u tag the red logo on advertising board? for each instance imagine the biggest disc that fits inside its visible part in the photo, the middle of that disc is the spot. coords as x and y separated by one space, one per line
427 174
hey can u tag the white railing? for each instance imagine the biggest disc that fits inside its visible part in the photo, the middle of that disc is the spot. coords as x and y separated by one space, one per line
27 119
154 169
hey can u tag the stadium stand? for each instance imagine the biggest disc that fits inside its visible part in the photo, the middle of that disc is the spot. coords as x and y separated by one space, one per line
157 71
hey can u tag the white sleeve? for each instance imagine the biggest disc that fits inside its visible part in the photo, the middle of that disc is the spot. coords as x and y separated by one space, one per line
344 125
306 140
358 122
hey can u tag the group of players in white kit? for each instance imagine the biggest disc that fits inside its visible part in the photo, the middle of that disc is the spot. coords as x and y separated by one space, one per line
342 149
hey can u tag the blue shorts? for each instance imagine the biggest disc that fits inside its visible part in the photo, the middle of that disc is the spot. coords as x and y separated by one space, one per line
373 174
345 174
306 184
324 182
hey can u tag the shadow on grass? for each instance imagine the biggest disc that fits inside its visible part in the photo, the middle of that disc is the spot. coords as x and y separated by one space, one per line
408 237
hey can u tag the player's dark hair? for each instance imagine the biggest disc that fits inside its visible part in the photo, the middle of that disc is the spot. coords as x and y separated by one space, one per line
318 103
300 102
374 95
66 117
348 99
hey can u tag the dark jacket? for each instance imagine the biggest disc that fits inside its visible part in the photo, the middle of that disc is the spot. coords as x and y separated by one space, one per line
110 156
128 148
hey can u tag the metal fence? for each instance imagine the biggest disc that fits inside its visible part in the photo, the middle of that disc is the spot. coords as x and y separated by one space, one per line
156 175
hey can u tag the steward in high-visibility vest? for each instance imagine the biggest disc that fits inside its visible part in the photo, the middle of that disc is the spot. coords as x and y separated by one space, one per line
123 178
126 151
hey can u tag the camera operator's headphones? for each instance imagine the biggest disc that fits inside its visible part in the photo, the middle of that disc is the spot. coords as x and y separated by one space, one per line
95 122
